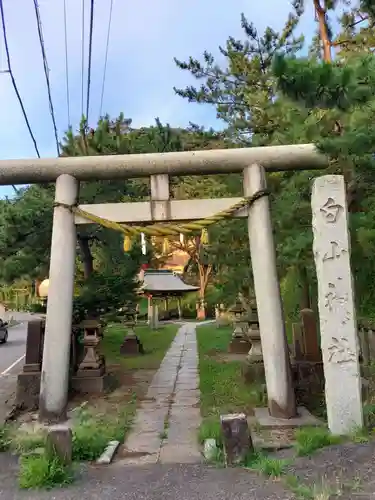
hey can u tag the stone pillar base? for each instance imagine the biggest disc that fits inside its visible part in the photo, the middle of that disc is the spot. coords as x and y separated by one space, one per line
28 388
239 345
131 345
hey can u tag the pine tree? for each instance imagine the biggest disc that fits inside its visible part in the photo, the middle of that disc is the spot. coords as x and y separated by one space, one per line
344 96
242 92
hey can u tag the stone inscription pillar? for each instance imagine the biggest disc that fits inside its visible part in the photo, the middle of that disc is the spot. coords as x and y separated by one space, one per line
56 351
338 328
281 398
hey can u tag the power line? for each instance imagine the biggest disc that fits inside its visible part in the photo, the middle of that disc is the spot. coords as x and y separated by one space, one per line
66 65
89 63
13 79
46 73
106 57
83 56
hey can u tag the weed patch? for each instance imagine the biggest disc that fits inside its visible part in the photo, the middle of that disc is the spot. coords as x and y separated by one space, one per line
38 472
210 429
92 433
311 439
268 466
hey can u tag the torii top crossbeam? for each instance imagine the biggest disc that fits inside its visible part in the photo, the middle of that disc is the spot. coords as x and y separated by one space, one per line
85 168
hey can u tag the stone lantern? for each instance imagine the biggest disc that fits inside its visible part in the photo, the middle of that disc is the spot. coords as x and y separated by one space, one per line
255 354
93 363
239 343
131 343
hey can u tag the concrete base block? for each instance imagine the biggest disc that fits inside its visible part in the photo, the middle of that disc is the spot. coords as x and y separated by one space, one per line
91 385
59 443
303 419
239 345
27 393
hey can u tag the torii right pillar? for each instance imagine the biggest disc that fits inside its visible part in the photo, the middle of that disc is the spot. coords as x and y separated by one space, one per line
280 391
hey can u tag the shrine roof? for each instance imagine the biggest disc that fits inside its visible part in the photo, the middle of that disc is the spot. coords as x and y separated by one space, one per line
164 282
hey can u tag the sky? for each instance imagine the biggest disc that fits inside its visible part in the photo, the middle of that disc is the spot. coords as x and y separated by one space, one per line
145 37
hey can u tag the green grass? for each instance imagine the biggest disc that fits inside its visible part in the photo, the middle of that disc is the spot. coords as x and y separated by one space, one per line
155 344
311 439
272 467
38 472
210 429
222 386
92 432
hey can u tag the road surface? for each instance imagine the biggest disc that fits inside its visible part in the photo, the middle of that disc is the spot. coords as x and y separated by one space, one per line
13 352
12 356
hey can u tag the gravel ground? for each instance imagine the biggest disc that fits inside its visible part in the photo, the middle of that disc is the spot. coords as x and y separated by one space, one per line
347 472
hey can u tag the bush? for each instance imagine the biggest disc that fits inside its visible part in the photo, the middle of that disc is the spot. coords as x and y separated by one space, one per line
37 307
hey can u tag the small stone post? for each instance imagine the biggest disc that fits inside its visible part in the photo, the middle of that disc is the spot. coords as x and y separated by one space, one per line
59 443
338 327
281 398
56 350
236 437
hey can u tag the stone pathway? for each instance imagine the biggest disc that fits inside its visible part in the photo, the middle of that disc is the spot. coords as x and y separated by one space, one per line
166 425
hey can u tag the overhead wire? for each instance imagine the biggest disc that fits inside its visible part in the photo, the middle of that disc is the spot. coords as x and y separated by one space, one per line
66 65
14 84
46 73
90 57
83 57
106 58
14 80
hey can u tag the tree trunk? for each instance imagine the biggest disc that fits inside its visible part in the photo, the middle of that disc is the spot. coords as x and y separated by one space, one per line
201 311
87 259
352 199
323 31
204 274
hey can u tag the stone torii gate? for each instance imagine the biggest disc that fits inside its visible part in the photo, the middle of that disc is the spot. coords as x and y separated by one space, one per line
68 172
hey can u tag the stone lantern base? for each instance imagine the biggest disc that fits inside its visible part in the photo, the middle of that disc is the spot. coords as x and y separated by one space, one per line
239 345
255 354
131 345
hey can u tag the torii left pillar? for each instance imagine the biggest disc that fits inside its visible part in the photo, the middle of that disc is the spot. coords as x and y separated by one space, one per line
56 352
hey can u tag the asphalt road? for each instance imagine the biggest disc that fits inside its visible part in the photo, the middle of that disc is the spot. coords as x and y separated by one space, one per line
13 352
12 358
156 482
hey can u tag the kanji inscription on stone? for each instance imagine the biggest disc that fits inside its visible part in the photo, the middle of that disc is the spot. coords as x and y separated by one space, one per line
335 299
335 251
338 329
331 210
339 351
